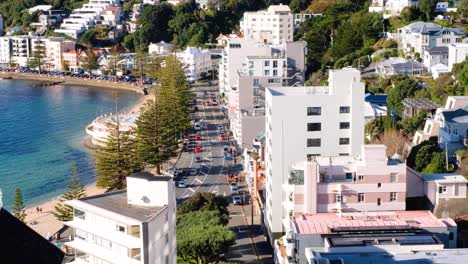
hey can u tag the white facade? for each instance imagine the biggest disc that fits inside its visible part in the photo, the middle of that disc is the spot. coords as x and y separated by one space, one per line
420 36
390 8
111 16
444 186
133 226
161 48
274 25
197 62
458 52
302 122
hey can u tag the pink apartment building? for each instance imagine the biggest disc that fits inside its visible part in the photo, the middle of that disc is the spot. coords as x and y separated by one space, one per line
371 182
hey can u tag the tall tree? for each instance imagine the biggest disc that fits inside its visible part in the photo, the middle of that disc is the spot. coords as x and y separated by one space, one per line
18 206
403 89
38 59
427 7
116 158
89 61
75 190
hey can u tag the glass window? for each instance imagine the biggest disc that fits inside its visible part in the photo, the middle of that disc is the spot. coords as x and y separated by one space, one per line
344 125
314 111
361 177
267 63
343 154
349 175
134 253
314 126
120 228
379 201
345 109
442 189
344 141
135 231
275 72
393 196
393 177
379 185
338 198
275 64
267 72
361 197
79 214
313 142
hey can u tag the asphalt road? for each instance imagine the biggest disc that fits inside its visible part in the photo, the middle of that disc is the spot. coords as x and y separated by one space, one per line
213 168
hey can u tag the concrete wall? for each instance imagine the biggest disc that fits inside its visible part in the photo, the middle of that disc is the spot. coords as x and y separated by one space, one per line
414 184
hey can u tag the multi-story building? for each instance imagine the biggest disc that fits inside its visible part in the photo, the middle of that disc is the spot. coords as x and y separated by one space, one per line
136 225
197 62
303 122
274 25
420 36
391 8
435 55
458 53
161 48
111 16
283 65
370 182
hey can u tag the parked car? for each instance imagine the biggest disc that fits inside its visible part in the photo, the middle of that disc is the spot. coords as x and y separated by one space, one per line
220 127
236 200
234 190
222 136
198 138
181 184
208 103
198 149
196 126
198 159
214 102
233 185
193 171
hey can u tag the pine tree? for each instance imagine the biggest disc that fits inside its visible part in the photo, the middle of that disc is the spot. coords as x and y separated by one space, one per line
75 190
38 58
18 206
89 62
116 159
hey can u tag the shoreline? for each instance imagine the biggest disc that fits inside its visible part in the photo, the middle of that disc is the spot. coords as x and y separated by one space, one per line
66 80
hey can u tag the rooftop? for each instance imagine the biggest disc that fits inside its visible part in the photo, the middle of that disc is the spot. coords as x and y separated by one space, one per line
323 223
415 257
409 65
420 103
116 202
445 178
298 91
376 98
459 115
438 50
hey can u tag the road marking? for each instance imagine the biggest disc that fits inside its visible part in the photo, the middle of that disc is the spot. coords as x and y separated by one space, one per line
190 190
198 180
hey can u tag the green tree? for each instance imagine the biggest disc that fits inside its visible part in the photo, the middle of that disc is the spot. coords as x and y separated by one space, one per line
205 202
409 14
410 125
89 61
88 38
403 89
75 190
154 26
38 58
18 206
437 164
200 237
116 158
299 5
427 7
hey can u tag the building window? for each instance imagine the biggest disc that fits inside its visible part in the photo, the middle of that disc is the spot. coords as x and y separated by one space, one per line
314 111
349 176
267 63
345 109
443 189
313 142
343 154
451 236
360 197
338 198
79 214
314 127
256 82
361 177
393 196
135 231
379 201
275 72
134 253
344 125
344 141
275 64
120 228
393 177
267 72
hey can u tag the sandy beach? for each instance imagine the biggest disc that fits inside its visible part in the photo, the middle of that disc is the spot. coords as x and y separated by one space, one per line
45 222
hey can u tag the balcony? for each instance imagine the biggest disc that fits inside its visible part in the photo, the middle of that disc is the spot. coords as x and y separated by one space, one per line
348 177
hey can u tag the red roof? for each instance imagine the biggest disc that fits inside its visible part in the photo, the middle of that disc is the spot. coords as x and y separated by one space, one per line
321 223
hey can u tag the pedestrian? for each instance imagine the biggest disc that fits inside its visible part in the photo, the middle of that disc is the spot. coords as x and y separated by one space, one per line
37 209
40 209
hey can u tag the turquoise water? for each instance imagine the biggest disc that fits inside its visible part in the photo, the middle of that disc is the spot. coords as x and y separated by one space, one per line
40 134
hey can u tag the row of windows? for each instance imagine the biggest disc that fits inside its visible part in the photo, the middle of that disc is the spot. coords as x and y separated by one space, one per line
362 198
316 111
316 142
311 127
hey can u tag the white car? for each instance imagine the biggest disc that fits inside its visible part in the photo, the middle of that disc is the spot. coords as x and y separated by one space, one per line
220 127
236 200
196 126
214 102
233 185
193 172
181 184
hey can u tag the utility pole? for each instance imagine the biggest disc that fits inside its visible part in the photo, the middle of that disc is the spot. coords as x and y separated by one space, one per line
446 156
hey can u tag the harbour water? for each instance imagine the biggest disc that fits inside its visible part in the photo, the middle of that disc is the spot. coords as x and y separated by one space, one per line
41 129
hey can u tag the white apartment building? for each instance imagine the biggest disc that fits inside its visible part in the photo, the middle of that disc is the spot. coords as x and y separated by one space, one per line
303 122
133 226
197 62
274 25
458 53
161 48
420 36
390 8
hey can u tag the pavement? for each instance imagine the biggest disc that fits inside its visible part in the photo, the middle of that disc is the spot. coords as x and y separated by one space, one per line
250 245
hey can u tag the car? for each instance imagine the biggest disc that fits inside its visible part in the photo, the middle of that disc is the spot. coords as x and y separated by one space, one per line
170 172
196 126
193 171
234 190
181 184
232 185
207 103
186 137
198 138
198 159
220 127
214 102
222 136
226 148
236 200
198 149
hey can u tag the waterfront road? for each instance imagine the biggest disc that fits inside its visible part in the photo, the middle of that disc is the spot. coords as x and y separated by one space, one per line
211 167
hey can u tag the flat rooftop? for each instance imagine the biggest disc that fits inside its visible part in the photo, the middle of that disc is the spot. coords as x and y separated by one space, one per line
116 202
299 91
445 178
417 257
382 239
420 103
324 223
